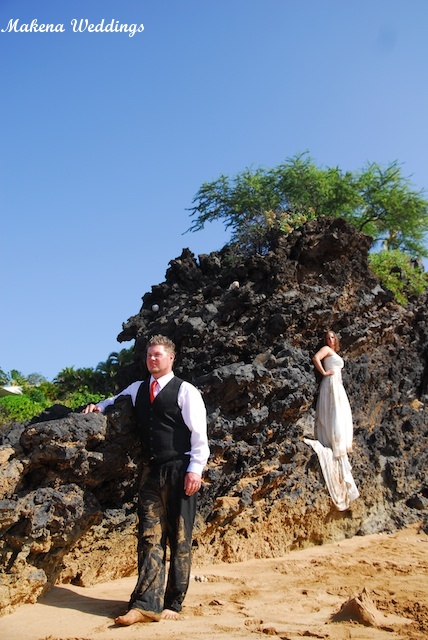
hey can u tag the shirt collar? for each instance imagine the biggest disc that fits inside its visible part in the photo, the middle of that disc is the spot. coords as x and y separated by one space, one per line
163 380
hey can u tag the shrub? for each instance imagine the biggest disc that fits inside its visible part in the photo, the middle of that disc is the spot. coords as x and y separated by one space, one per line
80 399
399 273
18 409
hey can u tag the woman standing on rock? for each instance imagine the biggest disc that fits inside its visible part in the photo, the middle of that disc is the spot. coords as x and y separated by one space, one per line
333 425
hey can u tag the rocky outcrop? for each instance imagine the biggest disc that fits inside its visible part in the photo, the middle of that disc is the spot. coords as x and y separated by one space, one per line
245 332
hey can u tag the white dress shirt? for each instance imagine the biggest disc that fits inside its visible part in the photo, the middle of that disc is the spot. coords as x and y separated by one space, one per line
193 412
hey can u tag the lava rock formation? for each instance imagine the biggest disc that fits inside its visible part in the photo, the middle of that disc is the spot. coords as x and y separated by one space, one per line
245 331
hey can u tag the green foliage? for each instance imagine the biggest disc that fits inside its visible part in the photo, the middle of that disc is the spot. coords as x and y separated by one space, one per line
78 399
74 388
36 395
101 380
18 408
71 380
35 379
17 377
49 390
254 204
390 211
110 368
398 273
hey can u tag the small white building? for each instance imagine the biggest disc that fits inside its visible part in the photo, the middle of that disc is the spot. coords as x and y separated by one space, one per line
10 390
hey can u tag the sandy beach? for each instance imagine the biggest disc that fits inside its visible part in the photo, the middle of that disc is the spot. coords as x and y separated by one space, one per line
382 579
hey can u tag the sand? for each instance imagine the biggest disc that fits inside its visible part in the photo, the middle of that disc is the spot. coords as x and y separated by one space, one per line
365 588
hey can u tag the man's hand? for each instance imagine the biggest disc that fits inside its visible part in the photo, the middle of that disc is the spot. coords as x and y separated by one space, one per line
192 483
91 408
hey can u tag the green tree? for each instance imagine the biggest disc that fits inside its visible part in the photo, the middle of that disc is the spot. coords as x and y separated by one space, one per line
35 379
70 380
111 367
17 378
390 210
247 204
253 204
115 361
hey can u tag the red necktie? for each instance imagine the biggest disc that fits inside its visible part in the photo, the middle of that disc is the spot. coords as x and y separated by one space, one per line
152 390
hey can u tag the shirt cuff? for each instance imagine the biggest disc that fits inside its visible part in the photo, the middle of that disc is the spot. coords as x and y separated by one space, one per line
195 467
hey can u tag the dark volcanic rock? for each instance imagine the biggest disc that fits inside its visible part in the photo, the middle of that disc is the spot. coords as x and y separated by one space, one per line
245 331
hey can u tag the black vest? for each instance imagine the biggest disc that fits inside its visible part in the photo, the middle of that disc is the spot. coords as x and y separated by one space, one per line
163 432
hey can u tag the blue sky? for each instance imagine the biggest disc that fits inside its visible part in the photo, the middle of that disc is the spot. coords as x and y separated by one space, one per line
106 139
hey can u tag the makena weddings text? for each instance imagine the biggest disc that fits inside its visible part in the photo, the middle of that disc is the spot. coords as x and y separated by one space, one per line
78 26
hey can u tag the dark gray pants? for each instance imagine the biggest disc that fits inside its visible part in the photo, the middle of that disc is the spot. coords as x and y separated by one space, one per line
165 516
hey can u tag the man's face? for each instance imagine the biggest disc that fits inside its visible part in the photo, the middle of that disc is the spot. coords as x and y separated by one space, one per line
159 361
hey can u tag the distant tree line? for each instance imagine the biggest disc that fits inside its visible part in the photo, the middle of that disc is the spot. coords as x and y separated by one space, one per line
74 388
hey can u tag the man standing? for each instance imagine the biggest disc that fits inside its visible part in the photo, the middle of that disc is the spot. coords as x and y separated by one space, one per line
171 418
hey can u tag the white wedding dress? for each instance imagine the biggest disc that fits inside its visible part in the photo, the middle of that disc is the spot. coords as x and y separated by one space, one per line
333 432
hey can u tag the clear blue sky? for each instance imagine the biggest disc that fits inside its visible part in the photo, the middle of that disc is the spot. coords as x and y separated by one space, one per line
106 139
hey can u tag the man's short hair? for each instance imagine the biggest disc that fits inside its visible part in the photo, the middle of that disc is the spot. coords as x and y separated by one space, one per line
161 340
